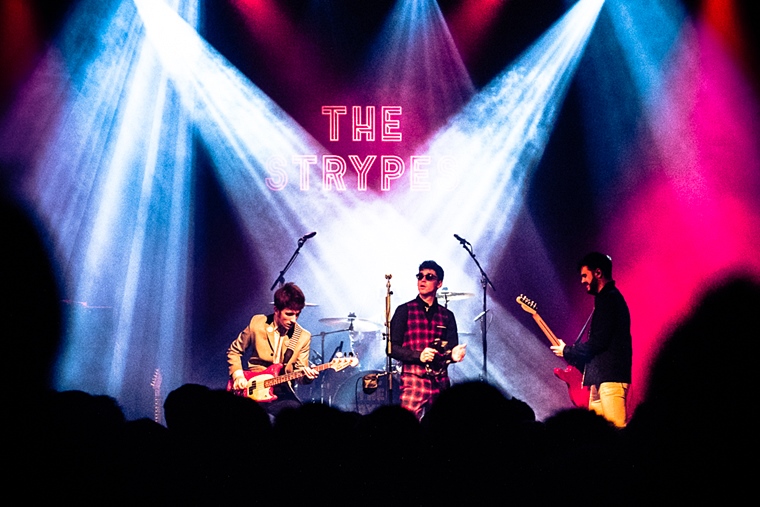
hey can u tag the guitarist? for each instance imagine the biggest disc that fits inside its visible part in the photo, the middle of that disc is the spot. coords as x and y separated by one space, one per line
424 339
275 339
606 355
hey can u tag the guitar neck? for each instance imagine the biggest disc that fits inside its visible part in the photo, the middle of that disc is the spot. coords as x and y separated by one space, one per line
545 328
156 384
291 376
157 408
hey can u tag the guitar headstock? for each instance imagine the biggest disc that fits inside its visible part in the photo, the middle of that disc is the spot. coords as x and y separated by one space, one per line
340 363
527 304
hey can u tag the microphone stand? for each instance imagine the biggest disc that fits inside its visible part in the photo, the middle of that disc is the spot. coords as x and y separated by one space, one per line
388 364
370 381
484 282
281 279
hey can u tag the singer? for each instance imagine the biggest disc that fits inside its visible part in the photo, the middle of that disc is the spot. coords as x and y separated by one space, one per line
424 339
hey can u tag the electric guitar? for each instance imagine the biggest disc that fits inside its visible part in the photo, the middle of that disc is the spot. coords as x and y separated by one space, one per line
156 385
571 375
261 383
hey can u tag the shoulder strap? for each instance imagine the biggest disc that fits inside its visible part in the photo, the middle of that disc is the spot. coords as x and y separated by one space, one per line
580 335
292 342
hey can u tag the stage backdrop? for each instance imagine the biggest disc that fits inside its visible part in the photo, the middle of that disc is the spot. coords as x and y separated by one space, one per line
186 157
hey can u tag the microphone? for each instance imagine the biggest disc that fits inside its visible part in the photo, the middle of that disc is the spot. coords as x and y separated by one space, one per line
461 239
307 236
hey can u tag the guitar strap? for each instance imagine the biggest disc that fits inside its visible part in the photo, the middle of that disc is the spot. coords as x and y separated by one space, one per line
291 345
588 321
580 335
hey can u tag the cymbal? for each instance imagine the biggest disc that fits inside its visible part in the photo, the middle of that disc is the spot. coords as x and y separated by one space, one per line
447 295
305 304
360 325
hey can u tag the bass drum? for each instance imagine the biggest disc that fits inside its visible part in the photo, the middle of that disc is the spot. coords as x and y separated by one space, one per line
351 397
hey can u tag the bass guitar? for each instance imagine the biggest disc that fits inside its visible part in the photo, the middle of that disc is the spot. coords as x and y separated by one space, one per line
571 375
261 383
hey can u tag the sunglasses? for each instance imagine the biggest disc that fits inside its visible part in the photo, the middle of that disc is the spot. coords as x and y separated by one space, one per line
428 276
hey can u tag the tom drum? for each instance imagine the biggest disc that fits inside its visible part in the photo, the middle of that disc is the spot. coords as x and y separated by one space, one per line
351 396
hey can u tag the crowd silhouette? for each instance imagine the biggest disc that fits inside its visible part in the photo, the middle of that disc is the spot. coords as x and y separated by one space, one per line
691 438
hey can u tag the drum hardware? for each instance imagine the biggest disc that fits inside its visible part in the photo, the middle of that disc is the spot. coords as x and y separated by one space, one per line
353 323
445 295
369 382
338 350
351 395
355 327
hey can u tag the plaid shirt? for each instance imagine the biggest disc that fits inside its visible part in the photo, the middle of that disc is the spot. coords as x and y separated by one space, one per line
418 330
412 330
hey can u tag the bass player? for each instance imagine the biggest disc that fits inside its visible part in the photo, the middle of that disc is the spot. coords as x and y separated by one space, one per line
272 340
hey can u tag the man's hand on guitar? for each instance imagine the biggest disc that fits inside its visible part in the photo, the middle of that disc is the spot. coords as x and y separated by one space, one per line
310 372
239 380
559 350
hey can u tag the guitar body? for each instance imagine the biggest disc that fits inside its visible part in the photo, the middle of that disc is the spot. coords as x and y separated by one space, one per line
573 377
256 389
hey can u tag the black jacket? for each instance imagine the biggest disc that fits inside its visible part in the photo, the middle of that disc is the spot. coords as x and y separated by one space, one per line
607 352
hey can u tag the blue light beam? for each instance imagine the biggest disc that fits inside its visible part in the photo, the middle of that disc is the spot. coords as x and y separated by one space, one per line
491 148
113 185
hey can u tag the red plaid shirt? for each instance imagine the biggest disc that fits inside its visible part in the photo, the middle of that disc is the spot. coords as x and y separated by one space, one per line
413 329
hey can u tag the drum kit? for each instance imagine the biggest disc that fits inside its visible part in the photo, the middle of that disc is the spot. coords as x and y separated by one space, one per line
348 390
332 386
